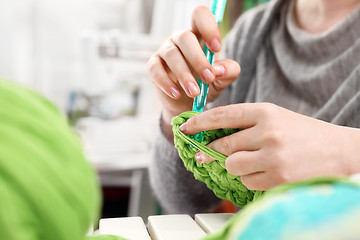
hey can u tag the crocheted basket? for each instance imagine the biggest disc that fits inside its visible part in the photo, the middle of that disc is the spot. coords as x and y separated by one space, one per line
213 174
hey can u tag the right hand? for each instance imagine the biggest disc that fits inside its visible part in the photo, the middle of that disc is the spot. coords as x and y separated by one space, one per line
172 66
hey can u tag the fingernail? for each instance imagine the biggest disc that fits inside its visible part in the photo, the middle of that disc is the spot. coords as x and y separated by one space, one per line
174 92
219 70
208 75
198 157
215 45
183 127
193 90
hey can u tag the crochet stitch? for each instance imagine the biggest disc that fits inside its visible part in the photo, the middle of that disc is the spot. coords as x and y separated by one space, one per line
213 174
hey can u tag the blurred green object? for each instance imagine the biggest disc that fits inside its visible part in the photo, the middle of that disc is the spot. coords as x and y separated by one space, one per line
248 4
324 208
105 237
48 189
234 8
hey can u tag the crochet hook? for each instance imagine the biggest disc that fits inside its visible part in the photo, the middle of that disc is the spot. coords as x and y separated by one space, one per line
217 7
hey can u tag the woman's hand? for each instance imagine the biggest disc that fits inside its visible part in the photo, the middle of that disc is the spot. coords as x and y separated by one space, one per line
171 68
277 145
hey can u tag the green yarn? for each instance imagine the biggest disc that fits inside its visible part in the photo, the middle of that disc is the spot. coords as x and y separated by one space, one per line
47 188
213 174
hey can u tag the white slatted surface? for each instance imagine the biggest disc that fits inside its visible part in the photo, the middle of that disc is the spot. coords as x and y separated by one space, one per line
90 231
212 222
164 227
128 227
174 227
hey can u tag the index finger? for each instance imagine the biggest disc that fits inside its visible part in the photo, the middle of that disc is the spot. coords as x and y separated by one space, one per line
204 26
242 115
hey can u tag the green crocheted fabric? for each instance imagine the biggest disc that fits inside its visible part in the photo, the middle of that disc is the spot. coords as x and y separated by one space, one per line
214 174
47 188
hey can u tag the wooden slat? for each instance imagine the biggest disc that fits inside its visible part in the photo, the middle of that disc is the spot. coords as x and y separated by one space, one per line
128 227
212 222
174 227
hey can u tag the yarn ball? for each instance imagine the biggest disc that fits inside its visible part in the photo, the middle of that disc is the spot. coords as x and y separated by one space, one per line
316 209
213 174
48 189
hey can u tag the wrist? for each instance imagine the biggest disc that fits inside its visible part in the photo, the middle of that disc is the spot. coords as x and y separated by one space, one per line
350 149
167 115
165 122
165 126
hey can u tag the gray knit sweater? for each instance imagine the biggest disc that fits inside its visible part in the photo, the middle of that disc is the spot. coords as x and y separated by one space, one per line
316 75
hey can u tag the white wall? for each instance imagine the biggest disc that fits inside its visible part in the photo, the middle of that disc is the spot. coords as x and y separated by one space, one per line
41 43
40 39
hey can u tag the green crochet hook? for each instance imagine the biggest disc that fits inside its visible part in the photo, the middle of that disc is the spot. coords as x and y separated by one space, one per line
217 7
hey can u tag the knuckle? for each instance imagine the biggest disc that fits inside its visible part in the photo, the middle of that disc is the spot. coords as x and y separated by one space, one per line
169 51
233 166
267 110
276 160
154 72
217 115
283 177
255 183
156 83
151 66
160 79
156 80
199 63
234 68
249 183
229 165
273 135
183 36
198 10
158 76
240 113
184 76
244 180
192 123
225 146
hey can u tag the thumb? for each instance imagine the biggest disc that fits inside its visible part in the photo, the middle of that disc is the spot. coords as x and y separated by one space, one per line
226 72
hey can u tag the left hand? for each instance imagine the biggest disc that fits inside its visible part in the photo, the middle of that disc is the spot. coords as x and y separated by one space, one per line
277 145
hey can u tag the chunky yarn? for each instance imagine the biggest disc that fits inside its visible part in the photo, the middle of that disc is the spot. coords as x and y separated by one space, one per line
213 174
47 188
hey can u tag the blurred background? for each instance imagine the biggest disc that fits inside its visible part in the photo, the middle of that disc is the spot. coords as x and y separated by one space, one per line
89 57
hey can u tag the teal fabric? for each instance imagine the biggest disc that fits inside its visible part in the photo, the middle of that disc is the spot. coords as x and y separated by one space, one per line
326 208
47 188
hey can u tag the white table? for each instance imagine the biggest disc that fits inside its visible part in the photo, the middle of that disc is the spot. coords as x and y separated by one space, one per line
164 227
